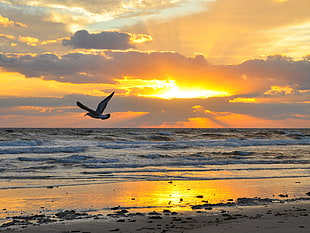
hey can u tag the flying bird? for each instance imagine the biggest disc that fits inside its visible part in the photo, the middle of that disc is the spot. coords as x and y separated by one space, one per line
100 108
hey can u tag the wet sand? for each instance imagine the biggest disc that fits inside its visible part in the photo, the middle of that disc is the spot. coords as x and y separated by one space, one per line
274 205
283 217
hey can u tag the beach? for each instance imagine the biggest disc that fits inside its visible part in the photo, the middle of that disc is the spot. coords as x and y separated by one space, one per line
285 217
154 180
159 208
288 218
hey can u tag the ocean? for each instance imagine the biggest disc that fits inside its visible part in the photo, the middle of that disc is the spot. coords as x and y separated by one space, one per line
66 157
95 169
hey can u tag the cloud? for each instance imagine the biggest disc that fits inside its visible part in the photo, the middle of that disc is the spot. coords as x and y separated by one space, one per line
7 36
28 39
105 40
6 22
278 90
144 112
32 41
281 68
101 68
253 77
229 32
98 6
76 15
73 67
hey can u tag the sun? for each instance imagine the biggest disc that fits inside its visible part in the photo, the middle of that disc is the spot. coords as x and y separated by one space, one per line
172 91
165 89
176 92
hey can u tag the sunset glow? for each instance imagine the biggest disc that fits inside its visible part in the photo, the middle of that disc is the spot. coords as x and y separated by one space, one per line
178 196
173 91
161 58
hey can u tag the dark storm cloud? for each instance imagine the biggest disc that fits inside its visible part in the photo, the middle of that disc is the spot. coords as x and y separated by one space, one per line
104 40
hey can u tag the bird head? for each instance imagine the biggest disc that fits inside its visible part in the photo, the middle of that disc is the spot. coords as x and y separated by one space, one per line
106 116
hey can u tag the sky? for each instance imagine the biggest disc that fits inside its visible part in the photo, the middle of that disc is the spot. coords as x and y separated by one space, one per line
171 63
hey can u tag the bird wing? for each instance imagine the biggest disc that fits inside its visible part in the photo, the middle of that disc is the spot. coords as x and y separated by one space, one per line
103 104
82 106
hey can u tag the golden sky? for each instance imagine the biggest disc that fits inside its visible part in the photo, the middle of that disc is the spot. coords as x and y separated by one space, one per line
172 63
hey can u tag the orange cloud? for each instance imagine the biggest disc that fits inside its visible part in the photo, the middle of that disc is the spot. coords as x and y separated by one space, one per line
58 40
243 100
21 86
140 38
29 40
166 74
34 110
278 90
32 41
232 120
41 117
7 36
4 21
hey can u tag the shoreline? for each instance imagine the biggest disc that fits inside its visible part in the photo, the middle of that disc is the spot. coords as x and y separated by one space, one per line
159 206
289 216
142 194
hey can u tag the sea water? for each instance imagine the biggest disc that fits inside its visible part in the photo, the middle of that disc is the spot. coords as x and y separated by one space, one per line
36 158
44 171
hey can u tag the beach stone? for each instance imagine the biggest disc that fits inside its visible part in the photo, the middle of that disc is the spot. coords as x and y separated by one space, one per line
283 195
122 212
154 213
116 208
136 214
116 229
253 201
155 217
70 214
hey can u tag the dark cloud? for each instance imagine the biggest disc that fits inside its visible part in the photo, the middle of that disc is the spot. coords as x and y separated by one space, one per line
159 110
104 40
100 68
280 68
253 76
73 67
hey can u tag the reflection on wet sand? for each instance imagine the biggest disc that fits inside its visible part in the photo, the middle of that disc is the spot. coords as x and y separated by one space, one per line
143 195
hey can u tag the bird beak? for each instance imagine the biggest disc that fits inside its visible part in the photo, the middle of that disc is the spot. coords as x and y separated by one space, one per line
85 114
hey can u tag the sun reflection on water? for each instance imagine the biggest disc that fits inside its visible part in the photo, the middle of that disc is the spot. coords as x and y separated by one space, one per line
142 196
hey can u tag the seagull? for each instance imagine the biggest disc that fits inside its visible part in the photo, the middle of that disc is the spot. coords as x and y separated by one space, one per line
98 113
